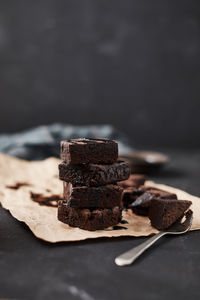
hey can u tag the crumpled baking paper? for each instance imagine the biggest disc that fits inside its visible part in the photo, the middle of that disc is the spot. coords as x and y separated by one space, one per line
19 179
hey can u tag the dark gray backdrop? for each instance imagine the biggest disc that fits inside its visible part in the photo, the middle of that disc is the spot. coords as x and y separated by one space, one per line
132 63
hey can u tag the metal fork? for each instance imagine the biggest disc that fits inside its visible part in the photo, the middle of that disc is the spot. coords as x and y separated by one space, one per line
178 227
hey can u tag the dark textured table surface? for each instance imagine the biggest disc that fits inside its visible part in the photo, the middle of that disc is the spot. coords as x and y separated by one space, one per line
33 269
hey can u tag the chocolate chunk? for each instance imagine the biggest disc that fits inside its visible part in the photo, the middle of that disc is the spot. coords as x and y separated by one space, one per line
106 196
141 205
84 151
94 174
134 180
88 219
163 213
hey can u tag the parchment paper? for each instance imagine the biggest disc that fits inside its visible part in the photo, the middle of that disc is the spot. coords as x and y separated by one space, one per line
19 178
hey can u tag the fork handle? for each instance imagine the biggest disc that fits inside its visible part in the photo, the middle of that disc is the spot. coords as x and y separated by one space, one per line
130 256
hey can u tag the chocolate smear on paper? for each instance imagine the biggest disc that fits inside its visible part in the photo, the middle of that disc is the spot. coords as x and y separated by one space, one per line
46 200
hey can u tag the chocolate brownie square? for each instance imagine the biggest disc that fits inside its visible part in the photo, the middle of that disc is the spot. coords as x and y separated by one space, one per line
107 196
84 151
97 219
94 174
163 213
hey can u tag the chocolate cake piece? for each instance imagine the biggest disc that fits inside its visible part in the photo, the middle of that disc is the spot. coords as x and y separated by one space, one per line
163 213
94 174
107 196
134 180
84 151
141 205
88 219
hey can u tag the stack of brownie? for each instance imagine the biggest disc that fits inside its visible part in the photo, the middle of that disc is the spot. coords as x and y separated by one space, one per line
90 170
